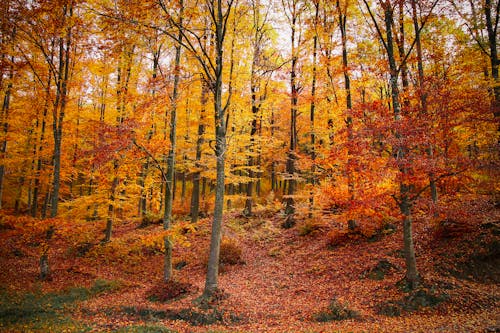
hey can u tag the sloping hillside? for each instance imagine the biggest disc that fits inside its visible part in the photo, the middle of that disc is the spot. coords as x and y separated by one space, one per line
272 280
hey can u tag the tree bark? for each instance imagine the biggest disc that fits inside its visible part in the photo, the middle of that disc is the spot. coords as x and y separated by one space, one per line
60 103
492 27
169 182
290 163
313 109
5 130
220 23
195 194
400 152
422 93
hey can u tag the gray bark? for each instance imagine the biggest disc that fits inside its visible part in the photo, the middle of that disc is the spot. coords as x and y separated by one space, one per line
220 22
195 194
400 152
60 104
169 182
423 96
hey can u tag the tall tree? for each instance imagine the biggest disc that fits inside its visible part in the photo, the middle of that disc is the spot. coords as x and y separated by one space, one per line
400 151
293 10
7 36
169 188
312 109
219 12
62 73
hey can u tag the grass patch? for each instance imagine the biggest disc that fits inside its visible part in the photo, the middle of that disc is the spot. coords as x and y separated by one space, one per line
47 312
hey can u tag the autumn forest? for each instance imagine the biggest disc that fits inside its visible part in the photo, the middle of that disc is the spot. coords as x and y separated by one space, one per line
249 166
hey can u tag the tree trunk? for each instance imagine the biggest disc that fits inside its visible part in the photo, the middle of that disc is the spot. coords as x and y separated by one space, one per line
290 163
422 93
169 182
412 277
400 152
491 27
352 224
111 207
220 21
60 104
312 110
195 194
5 129
44 257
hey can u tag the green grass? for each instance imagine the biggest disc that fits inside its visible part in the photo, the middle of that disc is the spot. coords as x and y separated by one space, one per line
47 312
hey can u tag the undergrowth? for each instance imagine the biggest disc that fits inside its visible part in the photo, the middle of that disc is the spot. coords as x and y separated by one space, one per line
336 311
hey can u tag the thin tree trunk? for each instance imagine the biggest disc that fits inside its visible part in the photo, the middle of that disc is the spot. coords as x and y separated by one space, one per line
254 89
5 129
44 257
195 194
60 105
422 93
492 26
312 110
145 167
290 163
111 207
169 182
349 121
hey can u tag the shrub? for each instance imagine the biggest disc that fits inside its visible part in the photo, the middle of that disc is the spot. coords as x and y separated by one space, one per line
230 252
336 311
150 219
336 238
310 227
452 228
380 270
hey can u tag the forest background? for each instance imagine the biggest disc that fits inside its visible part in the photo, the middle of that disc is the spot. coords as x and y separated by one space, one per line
136 131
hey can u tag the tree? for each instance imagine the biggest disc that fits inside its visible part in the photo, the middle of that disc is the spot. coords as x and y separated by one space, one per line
293 11
7 37
169 181
400 151
219 12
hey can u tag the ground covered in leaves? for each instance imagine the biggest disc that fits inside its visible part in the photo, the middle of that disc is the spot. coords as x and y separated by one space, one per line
272 280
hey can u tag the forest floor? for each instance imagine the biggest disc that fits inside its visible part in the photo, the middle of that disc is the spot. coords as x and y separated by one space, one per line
287 280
